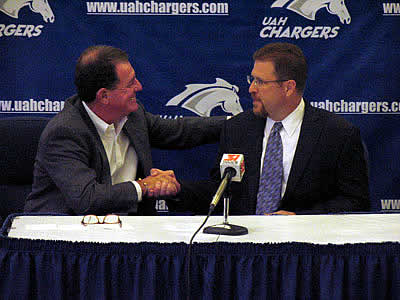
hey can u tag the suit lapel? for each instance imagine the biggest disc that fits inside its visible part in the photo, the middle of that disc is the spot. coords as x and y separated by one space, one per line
92 128
88 121
138 138
310 132
255 133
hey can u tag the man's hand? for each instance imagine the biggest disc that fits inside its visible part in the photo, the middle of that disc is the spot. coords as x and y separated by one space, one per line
155 172
160 184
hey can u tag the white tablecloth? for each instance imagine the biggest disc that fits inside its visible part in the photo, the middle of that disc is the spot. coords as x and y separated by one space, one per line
317 229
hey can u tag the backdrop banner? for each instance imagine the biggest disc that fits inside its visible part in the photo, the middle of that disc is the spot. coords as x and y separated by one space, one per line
192 59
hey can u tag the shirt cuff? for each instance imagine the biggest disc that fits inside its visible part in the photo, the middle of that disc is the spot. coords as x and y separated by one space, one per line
138 190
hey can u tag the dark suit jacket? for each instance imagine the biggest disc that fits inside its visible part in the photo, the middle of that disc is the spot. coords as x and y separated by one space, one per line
328 174
72 174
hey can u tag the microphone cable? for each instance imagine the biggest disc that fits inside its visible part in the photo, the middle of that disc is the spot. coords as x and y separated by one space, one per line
227 176
189 253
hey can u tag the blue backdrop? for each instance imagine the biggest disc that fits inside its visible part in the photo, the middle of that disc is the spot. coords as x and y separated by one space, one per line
193 57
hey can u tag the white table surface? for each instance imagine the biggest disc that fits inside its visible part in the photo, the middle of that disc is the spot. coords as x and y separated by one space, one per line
316 229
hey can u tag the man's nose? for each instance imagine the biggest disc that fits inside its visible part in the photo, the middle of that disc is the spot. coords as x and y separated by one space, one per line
138 86
252 88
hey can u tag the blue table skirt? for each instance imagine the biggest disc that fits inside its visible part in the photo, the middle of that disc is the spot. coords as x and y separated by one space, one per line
35 269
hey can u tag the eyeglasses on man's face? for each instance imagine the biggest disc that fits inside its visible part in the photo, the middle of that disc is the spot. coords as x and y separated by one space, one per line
108 219
259 82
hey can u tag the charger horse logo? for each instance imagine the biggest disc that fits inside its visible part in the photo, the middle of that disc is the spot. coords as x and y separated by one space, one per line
203 98
309 8
12 8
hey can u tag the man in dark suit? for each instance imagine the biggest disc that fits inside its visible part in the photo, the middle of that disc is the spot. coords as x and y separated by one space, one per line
93 154
323 167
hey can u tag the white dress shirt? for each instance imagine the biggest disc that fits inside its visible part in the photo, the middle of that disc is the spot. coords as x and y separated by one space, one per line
121 156
290 133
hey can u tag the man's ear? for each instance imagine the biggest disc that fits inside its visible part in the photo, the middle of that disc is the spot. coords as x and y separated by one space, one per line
102 96
290 87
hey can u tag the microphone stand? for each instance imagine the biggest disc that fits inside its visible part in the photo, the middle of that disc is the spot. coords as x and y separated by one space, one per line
225 228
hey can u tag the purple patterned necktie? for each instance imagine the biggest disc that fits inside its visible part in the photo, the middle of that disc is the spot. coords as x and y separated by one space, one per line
269 189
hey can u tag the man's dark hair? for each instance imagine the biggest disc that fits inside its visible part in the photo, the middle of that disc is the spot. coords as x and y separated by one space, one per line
95 69
289 62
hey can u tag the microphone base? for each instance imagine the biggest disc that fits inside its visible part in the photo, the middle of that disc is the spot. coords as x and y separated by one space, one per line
226 229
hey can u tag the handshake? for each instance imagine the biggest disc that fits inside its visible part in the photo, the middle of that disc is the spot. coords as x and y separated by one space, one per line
159 184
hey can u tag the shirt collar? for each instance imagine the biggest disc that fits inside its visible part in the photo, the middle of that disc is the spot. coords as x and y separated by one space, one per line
292 121
101 126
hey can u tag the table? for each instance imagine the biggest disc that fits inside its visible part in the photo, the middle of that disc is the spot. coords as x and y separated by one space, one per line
355 256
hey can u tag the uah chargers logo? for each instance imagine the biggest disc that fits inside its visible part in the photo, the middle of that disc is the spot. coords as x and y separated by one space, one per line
12 8
203 98
309 8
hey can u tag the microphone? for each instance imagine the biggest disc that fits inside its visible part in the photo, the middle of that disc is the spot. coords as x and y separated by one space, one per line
235 161
232 169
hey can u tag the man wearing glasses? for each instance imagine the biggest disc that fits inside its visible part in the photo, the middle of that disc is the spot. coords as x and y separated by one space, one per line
93 154
298 159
